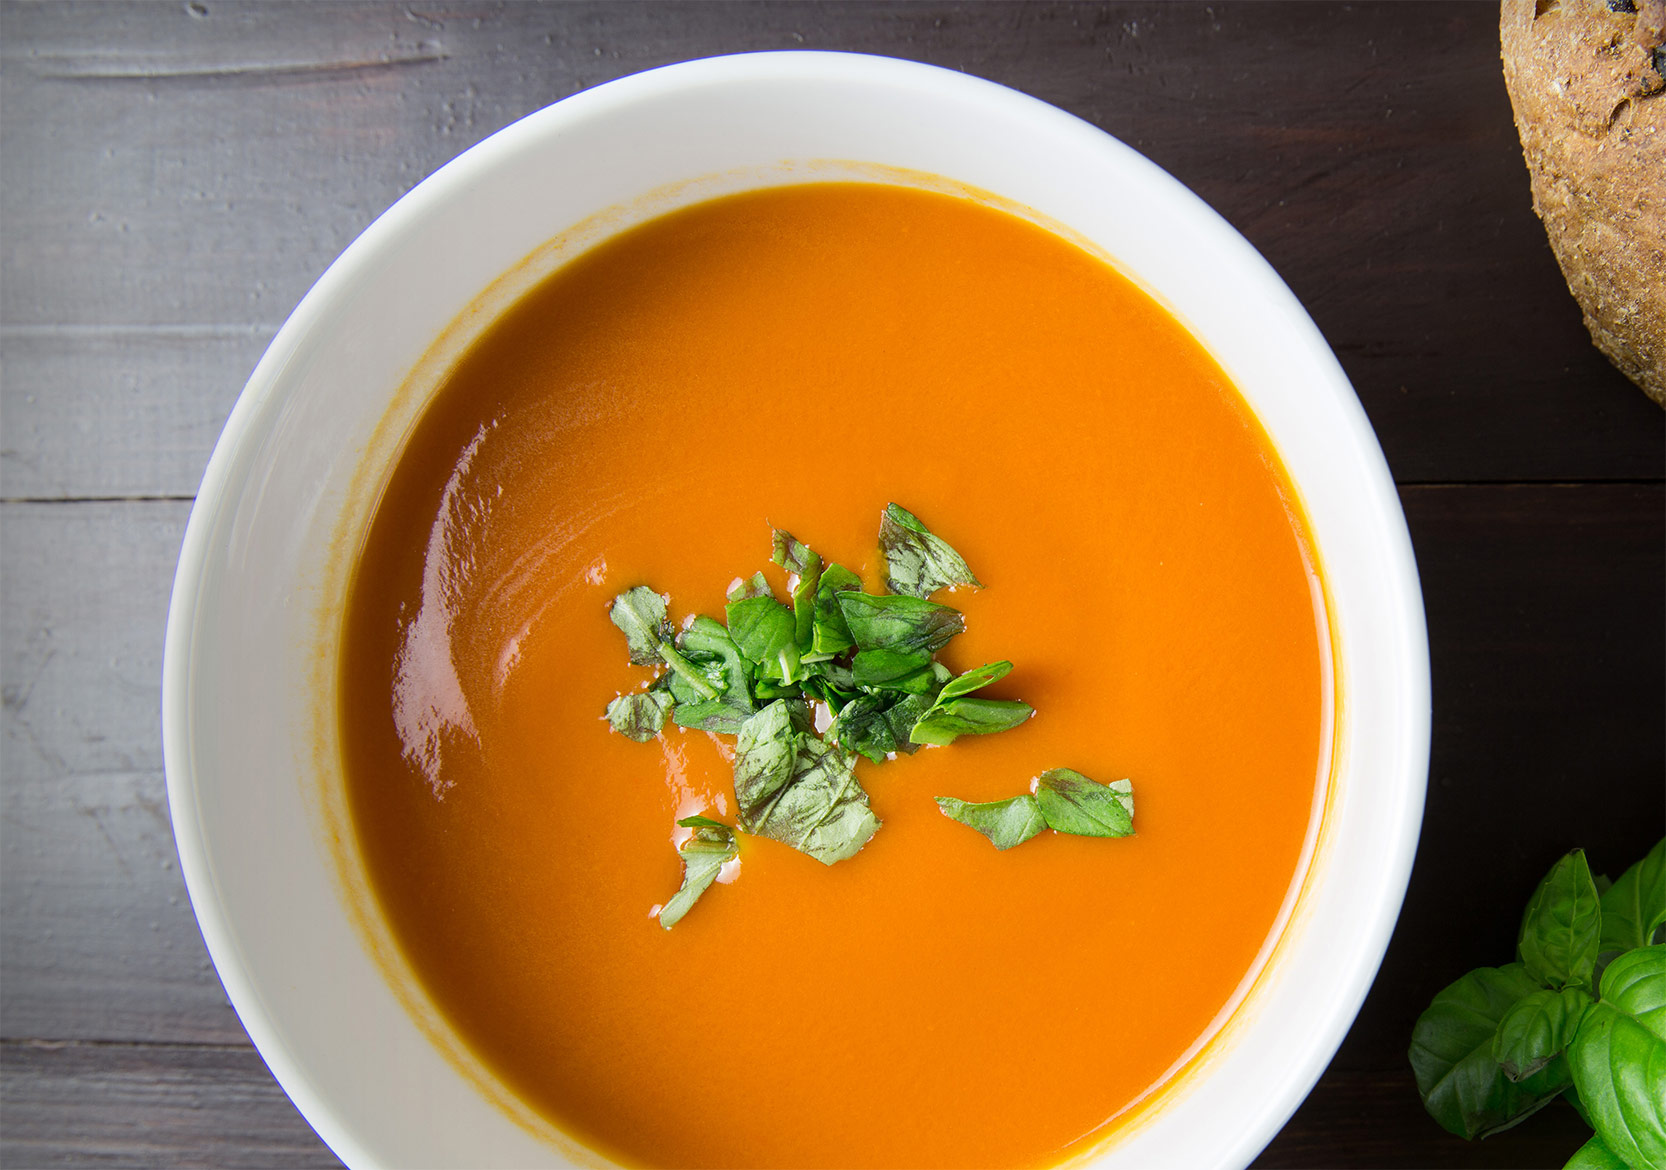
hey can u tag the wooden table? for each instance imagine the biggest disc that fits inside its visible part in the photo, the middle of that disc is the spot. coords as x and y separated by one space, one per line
174 176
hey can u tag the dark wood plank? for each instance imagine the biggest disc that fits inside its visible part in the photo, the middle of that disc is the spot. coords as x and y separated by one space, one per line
1547 629
117 411
199 165
1374 1121
97 938
148 1105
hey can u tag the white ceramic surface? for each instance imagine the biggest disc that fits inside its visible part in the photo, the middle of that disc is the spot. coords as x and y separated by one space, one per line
260 571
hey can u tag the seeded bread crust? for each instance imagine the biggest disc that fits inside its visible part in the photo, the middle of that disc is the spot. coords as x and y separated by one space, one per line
1586 82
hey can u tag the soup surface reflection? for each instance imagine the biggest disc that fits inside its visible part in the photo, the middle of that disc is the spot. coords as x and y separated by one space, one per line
799 357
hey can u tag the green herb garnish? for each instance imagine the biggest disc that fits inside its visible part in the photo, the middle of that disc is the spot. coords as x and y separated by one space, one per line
1004 822
704 854
1064 801
870 660
917 563
641 714
1582 1012
1074 804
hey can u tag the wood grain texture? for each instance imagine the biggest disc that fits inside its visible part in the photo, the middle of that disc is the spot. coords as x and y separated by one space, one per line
130 411
200 165
97 938
1374 1121
174 176
145 1105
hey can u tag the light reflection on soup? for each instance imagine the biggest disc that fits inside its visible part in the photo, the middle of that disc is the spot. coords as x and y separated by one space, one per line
800 356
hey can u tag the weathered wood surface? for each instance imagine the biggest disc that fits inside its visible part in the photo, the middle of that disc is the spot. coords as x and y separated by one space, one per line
174 176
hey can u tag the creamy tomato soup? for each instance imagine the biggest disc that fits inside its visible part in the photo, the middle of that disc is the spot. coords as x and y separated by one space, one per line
798 357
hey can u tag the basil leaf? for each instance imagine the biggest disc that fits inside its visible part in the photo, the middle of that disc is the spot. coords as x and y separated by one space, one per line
833 684
710 715
861 726
917 563
822 810
704 855
829 632
792 554
1618 1058
1634 907
1005 822
1462 1086
945 722
800 559
766 753
755 587
902 624
639 613
640 715
804 604
765 632
1594 1155
974 680
1072 803
726 701
1536 1029
904 715
886 667
1559 932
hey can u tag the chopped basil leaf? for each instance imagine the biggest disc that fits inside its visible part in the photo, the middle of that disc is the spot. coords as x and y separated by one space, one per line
804 604
829 632
704 855
885 667
756 586
918 563
905 713
833 689
766 753
1072 803
710 715
800 559
822 810
640 615
946 722
640 715
792 554
903 624
1005 822
765 632
975 679
862 727
726 701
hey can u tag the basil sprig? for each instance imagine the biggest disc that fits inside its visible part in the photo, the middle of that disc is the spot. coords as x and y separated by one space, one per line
1584 1009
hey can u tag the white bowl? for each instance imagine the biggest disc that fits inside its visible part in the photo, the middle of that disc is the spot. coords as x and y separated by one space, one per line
248 682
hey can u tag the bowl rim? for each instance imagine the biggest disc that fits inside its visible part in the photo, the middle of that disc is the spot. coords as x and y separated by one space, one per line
266 382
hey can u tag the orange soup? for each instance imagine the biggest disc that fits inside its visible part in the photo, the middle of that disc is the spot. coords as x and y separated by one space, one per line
799 357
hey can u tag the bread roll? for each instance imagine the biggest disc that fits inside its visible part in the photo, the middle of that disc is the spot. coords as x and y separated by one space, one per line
1587 80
